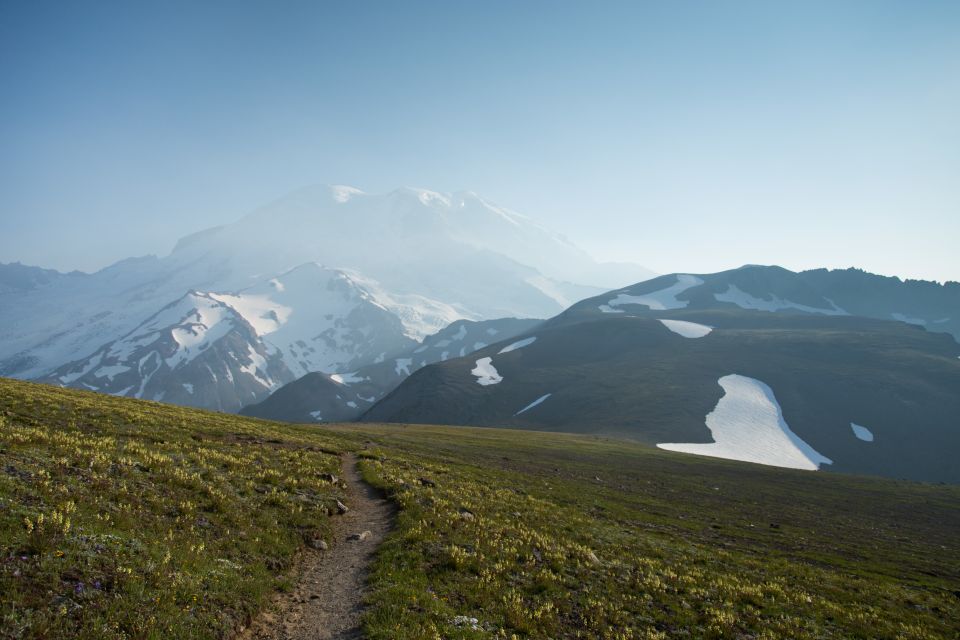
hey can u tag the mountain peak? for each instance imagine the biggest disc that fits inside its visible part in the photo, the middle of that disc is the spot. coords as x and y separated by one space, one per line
343 193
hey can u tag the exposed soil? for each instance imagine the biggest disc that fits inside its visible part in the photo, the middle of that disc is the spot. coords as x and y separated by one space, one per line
327 601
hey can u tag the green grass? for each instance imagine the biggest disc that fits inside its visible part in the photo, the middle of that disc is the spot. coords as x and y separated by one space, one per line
123 519
183 522
579 537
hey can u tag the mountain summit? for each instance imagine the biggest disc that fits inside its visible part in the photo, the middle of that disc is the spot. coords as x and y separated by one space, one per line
327 279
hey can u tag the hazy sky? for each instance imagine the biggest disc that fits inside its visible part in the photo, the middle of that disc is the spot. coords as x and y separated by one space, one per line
686 136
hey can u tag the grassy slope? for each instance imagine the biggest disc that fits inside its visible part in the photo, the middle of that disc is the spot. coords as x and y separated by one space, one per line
136 519
579 537
566 536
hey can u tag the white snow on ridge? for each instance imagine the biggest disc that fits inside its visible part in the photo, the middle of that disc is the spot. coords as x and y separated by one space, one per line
486 373
318 318
657 300
347 378
342 193
747 424
909 319
608 309
257 368
687 329
403 366
744 300
110 371
84 370
862 432
195 322
533 404
263 314
519 344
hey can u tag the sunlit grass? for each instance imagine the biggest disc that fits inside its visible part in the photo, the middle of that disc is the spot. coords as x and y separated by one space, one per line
127 519
130 519
537 536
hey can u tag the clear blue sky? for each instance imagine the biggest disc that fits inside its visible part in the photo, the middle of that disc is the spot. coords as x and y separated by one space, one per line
688 136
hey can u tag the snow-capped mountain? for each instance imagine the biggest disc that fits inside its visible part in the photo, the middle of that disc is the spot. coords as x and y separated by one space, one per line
195 351
840 292
321 319
339 397
422 258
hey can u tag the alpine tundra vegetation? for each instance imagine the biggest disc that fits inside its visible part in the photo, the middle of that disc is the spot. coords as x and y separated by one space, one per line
619 320
124 518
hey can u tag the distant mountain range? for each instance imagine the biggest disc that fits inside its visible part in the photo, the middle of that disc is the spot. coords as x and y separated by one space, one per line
328 279
415 306
813 370
321 397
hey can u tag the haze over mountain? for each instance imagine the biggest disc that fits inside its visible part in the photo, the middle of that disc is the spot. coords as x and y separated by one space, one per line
326 279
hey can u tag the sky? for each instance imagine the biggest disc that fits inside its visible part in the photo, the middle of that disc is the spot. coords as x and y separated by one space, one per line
684 136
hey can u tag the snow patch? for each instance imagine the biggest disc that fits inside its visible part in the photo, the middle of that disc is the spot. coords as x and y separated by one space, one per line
110 371
605 308
687 329
316 415
72 377
908 319
257 368
744 300
342 193
403 366
862 432
264 315
660 300
479 345
747 424
188 387
428 197
486 373
533 404
347 378
519 344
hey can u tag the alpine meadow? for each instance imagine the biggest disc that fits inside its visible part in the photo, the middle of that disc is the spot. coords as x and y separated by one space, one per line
498 321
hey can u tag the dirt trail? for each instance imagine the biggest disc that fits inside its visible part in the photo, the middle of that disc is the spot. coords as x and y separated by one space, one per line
328 599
